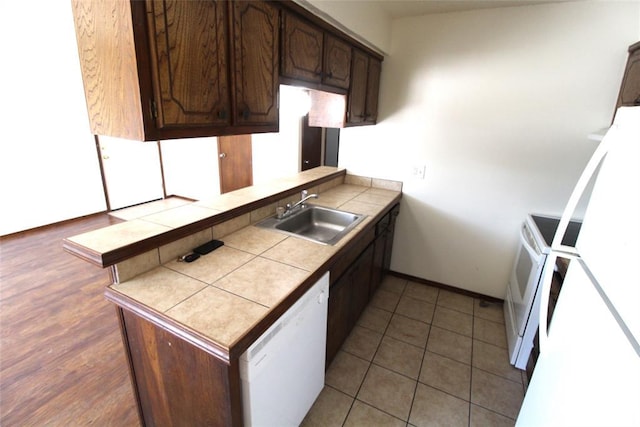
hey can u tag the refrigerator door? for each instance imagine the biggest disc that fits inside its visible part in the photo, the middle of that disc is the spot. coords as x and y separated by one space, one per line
609 240
589 373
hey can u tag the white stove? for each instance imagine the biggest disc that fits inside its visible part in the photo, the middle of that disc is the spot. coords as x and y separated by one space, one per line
522 301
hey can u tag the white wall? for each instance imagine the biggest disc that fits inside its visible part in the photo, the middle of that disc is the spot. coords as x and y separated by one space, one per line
191 165
365 21
48 163
497 104
278 154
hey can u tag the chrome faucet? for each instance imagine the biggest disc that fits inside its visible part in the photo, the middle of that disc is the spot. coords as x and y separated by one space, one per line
304 196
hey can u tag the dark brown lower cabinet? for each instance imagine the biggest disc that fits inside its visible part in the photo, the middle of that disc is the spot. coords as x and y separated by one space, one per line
177 383
383 245
350 293
338 316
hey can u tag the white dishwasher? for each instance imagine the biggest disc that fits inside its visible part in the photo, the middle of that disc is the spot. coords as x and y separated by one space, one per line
283 371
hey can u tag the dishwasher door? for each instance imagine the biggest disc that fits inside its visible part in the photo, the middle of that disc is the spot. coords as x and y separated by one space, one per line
282 372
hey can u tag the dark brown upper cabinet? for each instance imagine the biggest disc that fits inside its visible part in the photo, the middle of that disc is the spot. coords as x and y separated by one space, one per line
190 60
256 57
630 88
311 55
302 44
162 69
363 93
336 62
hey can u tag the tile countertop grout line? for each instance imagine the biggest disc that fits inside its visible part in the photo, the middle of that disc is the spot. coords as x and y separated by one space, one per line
236 347
113 256
242 341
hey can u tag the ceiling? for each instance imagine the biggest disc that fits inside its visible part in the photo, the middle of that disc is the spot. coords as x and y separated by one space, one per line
404 8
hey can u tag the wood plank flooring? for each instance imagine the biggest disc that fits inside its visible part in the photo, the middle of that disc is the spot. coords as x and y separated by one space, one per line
61 355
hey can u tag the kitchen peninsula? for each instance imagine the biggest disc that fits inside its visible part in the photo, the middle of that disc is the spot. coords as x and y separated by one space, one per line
185 325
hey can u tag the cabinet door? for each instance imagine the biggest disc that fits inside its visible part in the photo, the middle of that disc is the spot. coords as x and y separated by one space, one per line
337 62
358 90
189 62
302 49
389 239
377 269
255 49
338 316
360 284
630 88
373 87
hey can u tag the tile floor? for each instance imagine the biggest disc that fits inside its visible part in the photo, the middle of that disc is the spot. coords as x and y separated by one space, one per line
421 356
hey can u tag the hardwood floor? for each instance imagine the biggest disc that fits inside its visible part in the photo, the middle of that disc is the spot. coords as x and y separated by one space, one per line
61 355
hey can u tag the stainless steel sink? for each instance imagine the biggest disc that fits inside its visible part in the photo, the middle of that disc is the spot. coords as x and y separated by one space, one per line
315 223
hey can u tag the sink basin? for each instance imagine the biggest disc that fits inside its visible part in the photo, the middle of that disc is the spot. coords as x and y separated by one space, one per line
315 223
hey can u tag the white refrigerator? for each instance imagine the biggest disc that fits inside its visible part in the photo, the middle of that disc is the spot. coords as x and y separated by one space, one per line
588 372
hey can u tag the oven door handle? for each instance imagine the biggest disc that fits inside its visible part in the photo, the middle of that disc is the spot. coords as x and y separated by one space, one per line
525 243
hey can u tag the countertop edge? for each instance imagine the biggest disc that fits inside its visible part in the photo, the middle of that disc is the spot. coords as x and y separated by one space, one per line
112 257
235 349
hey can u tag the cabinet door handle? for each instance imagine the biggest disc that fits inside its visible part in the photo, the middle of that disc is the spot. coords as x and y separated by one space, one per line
222 114
223 155
245 114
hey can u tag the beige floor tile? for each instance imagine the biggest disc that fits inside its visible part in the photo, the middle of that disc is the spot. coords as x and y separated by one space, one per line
453 320
446 375
496 393
393 284
346 373
388 391
455 301
481 417
490 311
408 330
433 407
490 332
450 344
362 342
494 359
362 414
385 300
422 292
375 319
330 409
416 309
399 357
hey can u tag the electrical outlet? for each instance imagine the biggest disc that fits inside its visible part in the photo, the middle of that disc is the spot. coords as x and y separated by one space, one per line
418 171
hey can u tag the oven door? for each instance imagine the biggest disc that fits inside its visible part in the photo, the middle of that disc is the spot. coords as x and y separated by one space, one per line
522 290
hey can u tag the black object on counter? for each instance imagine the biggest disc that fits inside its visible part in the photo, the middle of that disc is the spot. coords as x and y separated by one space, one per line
208 247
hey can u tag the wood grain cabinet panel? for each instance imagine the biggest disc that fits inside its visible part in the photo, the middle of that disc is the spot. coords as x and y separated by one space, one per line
256 54
338 316
190 62
302 47
630 88
336 62
358 90
373 88
365 86
177 383
163 69
311 55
